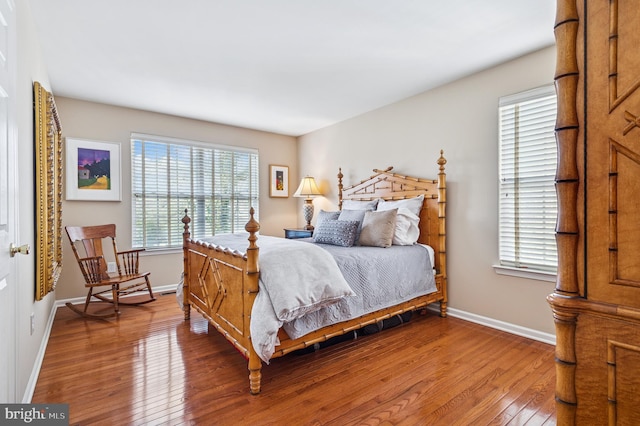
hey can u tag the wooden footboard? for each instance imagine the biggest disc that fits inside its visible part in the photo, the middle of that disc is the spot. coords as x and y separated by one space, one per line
222 284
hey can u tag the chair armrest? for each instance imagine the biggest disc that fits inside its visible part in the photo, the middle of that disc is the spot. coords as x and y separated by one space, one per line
131 251
93 269
128 263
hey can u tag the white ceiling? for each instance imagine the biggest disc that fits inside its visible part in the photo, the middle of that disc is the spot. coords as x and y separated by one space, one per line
285 66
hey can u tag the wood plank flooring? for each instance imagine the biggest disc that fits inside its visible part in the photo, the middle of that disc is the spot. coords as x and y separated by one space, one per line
150 367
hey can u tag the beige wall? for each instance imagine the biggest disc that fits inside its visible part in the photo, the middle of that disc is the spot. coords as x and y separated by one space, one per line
462 119
93 121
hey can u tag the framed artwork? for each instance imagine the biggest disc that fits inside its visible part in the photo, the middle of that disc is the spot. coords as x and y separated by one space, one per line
48 191
93 170
278 181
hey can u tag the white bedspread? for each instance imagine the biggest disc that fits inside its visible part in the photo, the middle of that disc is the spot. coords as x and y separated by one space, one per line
295 279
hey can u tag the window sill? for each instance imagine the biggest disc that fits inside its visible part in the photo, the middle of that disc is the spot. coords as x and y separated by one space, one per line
525 273
155 252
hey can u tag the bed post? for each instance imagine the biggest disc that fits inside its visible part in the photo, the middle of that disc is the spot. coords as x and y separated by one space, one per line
186 307
253 273
442 232
340 176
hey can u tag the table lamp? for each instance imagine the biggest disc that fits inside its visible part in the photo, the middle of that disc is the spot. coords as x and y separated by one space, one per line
308 189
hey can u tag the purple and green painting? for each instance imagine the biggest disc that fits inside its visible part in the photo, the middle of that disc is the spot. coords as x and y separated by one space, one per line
94 169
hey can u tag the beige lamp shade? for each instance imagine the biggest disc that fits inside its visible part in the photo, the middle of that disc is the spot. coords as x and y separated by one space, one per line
307 189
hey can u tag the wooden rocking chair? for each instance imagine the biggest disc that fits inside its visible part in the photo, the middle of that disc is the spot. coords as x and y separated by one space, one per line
125 280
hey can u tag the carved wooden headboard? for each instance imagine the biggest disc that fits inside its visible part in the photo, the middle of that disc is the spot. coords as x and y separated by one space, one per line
392 186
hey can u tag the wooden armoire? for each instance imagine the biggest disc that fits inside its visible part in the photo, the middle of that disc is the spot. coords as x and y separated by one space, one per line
596 303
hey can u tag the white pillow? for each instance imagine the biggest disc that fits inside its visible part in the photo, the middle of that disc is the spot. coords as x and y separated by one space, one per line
359 205
407 231
413 204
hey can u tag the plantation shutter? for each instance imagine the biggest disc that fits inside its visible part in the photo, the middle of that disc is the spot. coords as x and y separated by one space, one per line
528 157
218 185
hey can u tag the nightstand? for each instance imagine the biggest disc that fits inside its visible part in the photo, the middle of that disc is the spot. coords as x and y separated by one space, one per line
292 233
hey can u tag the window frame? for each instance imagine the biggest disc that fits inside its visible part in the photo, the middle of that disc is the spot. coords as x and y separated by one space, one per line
219 186
506 264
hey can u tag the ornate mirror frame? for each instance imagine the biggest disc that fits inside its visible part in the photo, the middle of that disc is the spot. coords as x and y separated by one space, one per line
48 191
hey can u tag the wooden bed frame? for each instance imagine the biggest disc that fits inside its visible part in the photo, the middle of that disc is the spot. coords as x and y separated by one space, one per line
222 284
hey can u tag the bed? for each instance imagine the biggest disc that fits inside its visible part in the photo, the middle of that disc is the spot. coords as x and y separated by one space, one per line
223 280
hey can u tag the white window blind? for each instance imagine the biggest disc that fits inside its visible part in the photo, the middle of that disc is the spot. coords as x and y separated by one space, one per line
528 157
218 184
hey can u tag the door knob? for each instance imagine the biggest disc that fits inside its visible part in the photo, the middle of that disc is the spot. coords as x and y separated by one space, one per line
23 249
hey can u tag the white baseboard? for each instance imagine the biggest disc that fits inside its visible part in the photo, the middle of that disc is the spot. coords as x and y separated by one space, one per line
499 325
157 290
35 371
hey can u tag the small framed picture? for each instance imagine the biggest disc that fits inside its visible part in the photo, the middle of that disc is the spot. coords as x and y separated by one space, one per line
92 170
278 181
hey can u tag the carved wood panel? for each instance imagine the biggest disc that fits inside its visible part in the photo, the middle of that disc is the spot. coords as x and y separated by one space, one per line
222 302
624 216
196 265
623 361
229 299
624 36
608 354
612 153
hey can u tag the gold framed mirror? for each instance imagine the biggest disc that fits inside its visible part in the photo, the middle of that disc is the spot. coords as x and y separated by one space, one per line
48 191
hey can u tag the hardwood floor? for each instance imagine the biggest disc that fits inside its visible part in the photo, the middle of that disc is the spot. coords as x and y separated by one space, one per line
151 367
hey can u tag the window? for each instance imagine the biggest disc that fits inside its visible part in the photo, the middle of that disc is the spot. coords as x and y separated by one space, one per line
528 157
218 184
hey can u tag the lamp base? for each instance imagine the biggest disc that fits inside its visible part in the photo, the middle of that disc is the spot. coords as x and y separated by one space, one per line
307 210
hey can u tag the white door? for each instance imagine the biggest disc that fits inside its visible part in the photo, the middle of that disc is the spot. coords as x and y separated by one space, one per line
8 204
